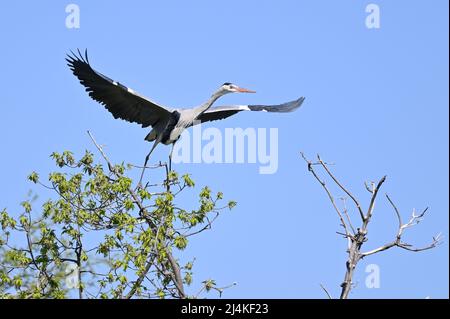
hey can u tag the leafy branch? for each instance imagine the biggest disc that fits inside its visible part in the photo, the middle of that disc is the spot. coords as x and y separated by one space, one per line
102 235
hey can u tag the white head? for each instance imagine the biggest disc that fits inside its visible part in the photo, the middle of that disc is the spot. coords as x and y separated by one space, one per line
233 88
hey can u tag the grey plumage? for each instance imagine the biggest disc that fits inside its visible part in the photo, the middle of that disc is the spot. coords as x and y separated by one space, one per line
167 123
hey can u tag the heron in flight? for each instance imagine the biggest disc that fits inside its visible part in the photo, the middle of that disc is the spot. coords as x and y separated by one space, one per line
167 123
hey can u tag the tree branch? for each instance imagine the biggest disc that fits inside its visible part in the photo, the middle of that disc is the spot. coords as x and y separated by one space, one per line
176 278
360 236
326 291
141 278
331 198
358 206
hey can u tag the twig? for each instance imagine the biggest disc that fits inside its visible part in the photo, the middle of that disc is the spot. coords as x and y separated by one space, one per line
344 225
326 291
358 206
399 217
160 164
347 216
372 201
141 278
415 219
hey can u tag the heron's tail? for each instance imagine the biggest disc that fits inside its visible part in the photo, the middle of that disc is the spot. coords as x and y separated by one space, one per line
151 136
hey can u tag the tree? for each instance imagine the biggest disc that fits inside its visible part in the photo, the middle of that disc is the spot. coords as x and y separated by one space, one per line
104 236
357 237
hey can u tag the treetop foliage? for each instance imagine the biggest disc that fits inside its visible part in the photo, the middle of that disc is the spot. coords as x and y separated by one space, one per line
101 236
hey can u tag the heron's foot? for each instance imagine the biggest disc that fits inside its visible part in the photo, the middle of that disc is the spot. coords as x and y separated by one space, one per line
170 164
140 179
143 170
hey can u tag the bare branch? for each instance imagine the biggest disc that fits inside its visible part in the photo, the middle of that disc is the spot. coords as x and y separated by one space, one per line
359 236
160 164
330 196
399 217
326 291
437 240
344 200
372 201
358 206
369 189
414 220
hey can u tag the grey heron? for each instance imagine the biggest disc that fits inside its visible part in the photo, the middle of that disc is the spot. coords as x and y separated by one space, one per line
167 123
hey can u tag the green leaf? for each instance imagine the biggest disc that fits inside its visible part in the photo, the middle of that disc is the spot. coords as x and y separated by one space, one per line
24 221
123 280
144 194
26 205
18 282
180 242
188 278
160 293
205 192
34 177
231 204
68 156
83 256
172 176
188 181
209 284
189 265
87 159
129 205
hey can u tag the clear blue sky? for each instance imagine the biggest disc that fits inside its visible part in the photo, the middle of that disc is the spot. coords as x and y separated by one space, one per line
376 103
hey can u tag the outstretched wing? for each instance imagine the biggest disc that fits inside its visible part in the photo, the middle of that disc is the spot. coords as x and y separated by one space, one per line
221 112
118 99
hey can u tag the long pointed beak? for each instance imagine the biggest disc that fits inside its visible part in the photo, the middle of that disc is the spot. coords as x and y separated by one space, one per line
242 90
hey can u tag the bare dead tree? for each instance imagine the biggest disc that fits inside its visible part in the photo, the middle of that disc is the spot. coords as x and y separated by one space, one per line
356 238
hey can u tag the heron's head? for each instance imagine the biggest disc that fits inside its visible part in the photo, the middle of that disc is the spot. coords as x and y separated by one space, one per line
233 88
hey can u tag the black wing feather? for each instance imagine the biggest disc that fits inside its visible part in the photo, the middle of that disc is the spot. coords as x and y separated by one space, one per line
221 112
121 101
219 115
280 108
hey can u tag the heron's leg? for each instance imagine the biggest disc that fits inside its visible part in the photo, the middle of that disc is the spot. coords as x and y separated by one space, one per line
146 160
170 156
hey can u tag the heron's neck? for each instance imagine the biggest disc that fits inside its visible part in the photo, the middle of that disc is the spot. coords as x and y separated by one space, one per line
202 108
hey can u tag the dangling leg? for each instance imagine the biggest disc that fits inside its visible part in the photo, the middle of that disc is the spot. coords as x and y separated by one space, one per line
170 156
146 160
